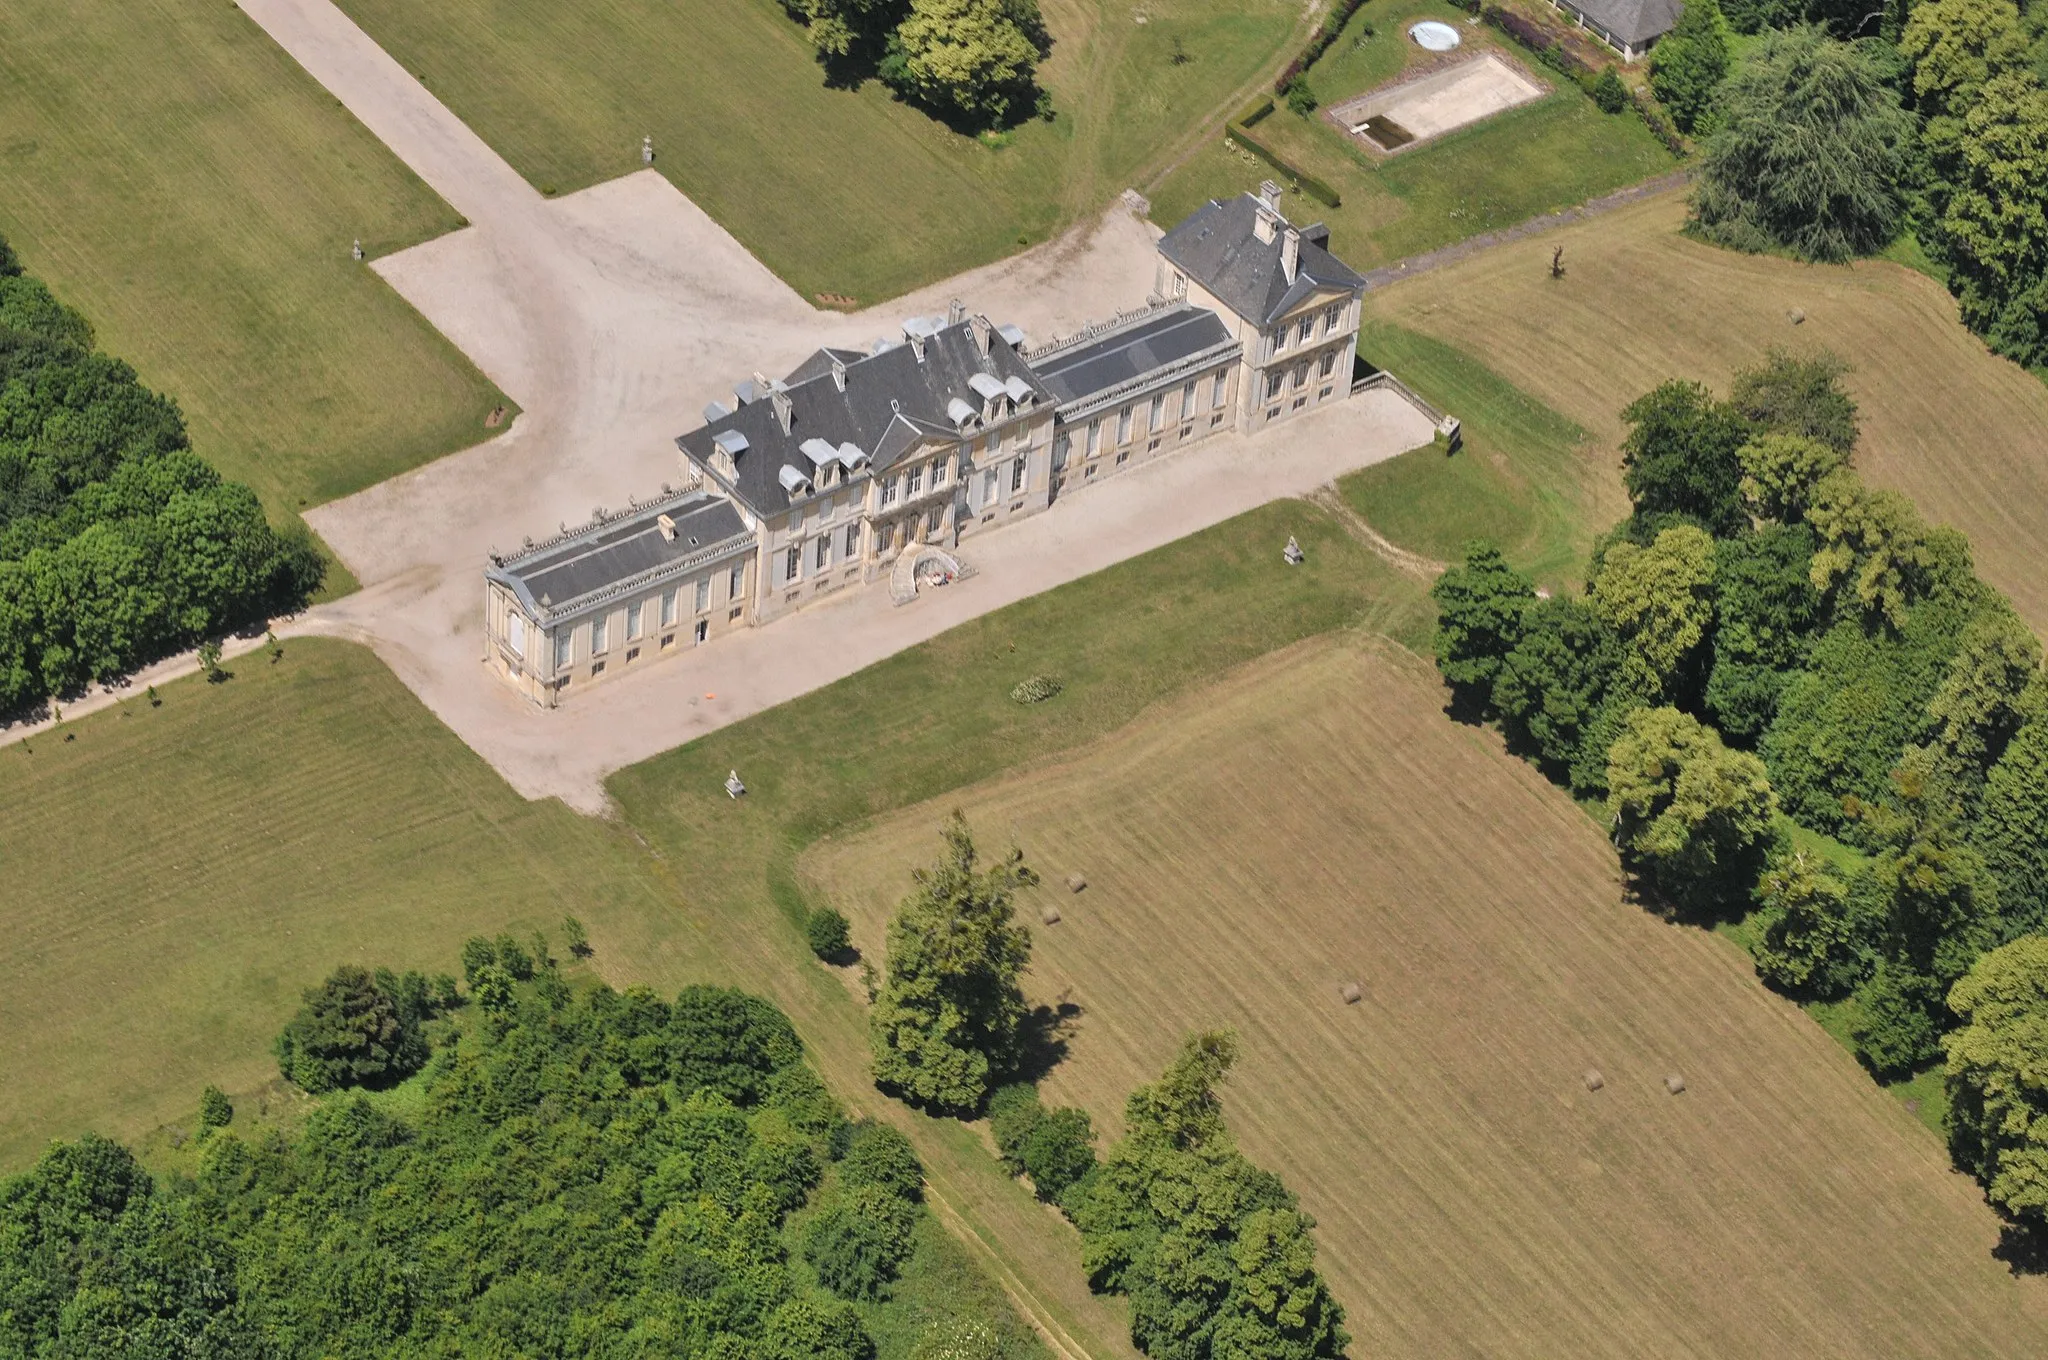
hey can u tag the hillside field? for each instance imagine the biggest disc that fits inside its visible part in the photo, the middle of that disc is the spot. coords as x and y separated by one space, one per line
1313 819
1945 421
839 191
171 173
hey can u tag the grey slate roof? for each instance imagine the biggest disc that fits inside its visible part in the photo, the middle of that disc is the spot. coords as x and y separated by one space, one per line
892 401
589 561
1165 337
1218 248
1632 23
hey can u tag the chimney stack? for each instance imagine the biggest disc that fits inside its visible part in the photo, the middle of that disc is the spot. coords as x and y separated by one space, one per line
1269 194
838 373
1290 254
956 312
982 333
1267 225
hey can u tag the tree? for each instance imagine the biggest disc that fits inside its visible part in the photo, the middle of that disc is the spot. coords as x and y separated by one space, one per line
1691 61
350 1031
971 57
1301 99
1991 686
1660 603
1692 818
1680 456
1279 1307
1798 396
1809 154
1894 1029
879 1155
1766 612
1941 903
2008 832
1552 685
858 1246
1479 605
947 1018
1059 1151
1957 47
1780 473
1809 945
575 937
1994 228
1873 543
803 1330
842 29
725 1040
828 933
1998 1104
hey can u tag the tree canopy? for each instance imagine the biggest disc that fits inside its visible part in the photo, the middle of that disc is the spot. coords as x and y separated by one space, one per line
1689 63
1681 455
946 1022
1659 601
1997 1100
1809 155
1693 818
1480 603
356 1029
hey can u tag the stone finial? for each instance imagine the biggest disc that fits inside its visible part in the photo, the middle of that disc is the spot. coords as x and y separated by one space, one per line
355 251
647 150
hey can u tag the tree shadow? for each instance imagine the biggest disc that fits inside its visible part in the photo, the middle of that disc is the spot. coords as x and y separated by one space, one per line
1043 1039
2023 1249
843 958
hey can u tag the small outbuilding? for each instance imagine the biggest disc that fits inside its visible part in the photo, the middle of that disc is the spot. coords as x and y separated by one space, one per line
1630 27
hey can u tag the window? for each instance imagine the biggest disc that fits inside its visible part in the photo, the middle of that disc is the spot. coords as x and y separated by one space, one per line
989 485
1305 331
1329 363
1158 417
1094 437
989 442
913 481
824 558
1274 379
596 669
938 472
1017 475
597 631
733 615
703 629
1187 400
668 640
792 563
668 601
634 614
1122 455
736 581
1222 388
852 542
931 520
1123 426
1277 343
562 649
703 601
515 634
1301 374
1333 317
888 491
632 655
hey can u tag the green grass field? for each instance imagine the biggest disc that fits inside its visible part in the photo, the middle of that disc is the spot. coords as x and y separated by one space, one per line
1536 159
179 873
838 191
170 172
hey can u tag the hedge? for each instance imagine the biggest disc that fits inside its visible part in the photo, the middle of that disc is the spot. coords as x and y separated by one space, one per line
1255 113
1307 183
1318 44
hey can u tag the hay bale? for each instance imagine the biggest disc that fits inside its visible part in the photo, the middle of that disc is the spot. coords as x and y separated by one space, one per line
1674 1083
1051 916
1075 883
1594 1081
1352 993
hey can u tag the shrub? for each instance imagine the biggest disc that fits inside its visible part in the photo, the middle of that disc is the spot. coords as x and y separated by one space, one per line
1300 98
828 933
859 1245
1059 1151
1013 1112
1609 93
881 1156
1035 689
215 1110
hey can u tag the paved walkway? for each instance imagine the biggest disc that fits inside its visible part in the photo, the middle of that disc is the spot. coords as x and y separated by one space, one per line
612 316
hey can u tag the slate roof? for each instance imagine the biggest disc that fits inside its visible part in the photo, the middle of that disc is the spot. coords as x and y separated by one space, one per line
1166 337
1633 23
1218 248
892 402
571 569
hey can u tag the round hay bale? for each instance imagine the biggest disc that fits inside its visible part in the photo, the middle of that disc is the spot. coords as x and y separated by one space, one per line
1352 993
1051 916
1075 883
1674 1083
1594 1081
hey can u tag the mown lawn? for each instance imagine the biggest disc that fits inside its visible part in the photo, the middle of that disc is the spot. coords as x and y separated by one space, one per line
839 191
1536 159
170 172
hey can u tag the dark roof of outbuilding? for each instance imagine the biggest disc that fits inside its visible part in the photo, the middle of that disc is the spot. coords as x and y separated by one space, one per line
588 561
1165 337
1219 248
1631 22
893 400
